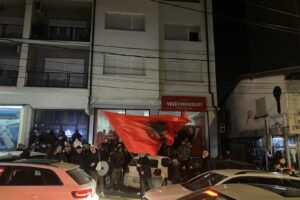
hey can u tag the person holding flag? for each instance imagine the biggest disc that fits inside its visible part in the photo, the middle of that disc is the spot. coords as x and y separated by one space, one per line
144 169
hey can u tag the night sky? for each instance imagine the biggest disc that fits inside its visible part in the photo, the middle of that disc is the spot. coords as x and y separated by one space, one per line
254 36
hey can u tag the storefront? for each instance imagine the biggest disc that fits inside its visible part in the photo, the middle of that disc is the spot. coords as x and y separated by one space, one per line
170 105
57 120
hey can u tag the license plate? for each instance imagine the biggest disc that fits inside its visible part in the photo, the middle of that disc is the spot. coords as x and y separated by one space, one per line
135 180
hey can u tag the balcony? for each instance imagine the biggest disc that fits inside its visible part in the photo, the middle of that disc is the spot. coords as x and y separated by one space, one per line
60 33
11 31
57 79
8 77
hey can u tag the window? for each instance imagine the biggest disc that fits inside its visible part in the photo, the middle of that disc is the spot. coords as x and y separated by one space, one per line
32 176
182 32
79 176
125 22
203 180
265 180
184 71
124 65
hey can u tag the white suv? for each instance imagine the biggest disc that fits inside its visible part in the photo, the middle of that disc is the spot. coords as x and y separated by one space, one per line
45 180
218 177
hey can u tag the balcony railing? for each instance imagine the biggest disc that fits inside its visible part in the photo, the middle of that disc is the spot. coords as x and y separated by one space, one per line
60 33
11 31
8 77
57 79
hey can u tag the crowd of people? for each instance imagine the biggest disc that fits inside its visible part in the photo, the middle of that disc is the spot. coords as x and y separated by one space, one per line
76 150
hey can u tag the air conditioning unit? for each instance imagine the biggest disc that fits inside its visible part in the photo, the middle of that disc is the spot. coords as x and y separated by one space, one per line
39 8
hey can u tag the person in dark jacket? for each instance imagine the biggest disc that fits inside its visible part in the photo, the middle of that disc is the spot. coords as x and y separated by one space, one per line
67 152
116 160
55 152
77 157
49 138
76 135
144 169
94 158
206 163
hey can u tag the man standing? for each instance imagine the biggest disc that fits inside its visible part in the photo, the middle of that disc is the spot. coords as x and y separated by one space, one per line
144 169
116 160
184 151
93 158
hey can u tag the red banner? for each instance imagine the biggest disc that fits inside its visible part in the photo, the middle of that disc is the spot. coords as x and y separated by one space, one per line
183 103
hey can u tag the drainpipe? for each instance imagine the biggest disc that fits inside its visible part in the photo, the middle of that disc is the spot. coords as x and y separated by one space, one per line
208 73
92 53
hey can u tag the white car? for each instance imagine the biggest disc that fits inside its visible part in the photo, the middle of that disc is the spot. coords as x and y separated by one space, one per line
245 192
218 177
45 180
7 156
159 169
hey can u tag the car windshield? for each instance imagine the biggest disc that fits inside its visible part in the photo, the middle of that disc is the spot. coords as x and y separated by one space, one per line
280 190
79 176
204 180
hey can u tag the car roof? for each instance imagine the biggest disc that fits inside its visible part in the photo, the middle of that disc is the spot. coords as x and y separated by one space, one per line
42 163
247 192
242 172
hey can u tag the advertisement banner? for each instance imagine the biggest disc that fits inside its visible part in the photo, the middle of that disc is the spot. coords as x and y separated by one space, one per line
183 103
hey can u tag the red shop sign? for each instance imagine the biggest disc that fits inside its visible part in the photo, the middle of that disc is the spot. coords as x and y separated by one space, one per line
183 103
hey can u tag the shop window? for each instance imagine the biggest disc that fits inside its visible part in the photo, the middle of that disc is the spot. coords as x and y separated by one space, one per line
104 130
67 120
9 127
126 22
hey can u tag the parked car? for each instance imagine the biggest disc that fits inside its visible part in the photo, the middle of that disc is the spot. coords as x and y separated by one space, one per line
245 192
159 169
218 177
45 180
8 156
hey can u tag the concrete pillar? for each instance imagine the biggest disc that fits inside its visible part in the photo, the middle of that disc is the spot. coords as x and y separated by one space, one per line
91 128
25 124
22 75
28 19
213 133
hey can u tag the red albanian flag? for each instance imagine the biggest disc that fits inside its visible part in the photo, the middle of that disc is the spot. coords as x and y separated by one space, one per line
145 134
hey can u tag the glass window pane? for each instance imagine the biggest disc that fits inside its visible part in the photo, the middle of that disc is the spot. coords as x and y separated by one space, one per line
138 112
118 21
138 23
176 32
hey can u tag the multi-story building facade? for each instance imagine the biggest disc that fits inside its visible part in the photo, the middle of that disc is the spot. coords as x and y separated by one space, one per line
132 57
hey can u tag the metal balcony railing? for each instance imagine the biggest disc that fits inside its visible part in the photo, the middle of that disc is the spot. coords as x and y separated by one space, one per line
57 79
11 31
42 32
8 77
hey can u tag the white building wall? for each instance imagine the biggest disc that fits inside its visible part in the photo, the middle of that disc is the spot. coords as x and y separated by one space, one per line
126 90
244 97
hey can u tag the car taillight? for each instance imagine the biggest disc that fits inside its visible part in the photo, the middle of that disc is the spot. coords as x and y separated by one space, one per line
157 172
81 194
211 193
1 170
